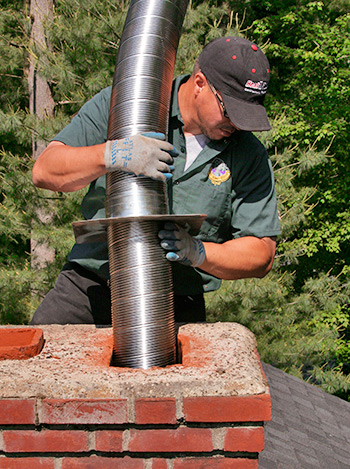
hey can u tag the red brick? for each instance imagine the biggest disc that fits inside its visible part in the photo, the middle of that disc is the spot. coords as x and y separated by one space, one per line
181 439
250 439
227 409
20 343
83 411
17 411
159 464
155 411
45 441
109 440
26 463
194 351
215 463
96 462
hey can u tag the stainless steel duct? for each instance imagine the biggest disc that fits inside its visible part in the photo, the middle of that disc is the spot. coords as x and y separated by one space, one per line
136 207
141 282
145 66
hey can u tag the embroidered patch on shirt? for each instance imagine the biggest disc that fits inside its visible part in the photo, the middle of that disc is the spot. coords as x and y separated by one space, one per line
219 172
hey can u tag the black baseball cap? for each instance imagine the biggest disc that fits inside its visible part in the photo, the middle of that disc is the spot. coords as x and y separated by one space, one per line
240 71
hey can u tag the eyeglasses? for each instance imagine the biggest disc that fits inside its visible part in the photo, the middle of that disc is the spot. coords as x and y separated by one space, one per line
222 104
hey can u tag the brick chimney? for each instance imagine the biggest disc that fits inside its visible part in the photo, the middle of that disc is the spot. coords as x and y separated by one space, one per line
68 408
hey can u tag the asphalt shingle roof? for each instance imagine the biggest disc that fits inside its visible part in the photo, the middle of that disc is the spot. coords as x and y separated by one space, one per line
310 429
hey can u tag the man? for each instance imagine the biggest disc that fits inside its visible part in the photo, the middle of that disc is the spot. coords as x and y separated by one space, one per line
214 165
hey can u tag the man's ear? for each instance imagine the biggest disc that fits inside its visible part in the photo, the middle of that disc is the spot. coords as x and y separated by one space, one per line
200 82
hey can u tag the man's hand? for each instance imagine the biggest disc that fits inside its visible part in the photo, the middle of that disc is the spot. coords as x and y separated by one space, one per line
143 155
181 246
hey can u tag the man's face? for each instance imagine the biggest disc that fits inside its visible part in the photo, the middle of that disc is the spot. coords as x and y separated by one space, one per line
211 119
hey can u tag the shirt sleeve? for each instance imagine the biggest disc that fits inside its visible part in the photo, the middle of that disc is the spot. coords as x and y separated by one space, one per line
254 205
90 125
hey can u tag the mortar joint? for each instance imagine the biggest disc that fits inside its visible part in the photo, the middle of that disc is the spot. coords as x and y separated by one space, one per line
126 440
218 436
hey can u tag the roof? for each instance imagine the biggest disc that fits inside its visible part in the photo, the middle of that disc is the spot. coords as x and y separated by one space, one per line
310 429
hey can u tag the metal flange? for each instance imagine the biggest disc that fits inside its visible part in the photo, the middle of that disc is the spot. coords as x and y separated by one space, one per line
95 231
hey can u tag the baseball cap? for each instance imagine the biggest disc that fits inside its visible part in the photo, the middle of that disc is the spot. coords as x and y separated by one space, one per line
240 71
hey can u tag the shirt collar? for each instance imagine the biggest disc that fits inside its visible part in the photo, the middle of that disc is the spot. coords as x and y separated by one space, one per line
175 109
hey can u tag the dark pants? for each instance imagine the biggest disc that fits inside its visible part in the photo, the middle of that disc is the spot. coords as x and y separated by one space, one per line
82 297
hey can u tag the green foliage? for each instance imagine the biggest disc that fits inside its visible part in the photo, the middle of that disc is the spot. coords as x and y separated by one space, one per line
19 205
300 311
202 24
79 61
84 39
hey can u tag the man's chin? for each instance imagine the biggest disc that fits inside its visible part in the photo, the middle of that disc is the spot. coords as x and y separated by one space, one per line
214 136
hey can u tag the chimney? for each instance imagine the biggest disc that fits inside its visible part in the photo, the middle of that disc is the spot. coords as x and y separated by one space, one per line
67 407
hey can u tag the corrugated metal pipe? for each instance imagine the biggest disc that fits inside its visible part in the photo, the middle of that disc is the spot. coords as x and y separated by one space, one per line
141 281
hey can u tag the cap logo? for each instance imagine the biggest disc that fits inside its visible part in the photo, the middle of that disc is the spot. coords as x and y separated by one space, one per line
256 87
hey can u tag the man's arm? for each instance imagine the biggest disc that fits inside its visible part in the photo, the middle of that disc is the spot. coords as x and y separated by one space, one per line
239 258
64 168
244 257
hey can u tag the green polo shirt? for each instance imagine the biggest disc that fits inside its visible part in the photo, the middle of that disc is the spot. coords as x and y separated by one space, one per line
231 181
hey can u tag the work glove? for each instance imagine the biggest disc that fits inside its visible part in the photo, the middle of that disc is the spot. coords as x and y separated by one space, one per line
143 155
182 247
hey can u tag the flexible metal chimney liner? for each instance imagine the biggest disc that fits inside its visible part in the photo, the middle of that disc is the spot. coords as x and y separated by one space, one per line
136 207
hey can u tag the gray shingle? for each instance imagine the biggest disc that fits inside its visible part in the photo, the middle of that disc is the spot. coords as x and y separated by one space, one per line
291 465
317 435
268 463
310 429
326 456
308 461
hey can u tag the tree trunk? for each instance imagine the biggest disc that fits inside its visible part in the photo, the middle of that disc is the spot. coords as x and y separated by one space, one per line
41 104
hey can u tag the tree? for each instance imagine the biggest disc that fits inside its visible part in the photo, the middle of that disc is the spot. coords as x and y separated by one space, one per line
41 105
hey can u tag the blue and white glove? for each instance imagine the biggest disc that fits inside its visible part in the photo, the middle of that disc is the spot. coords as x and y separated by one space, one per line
182 247
143 155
